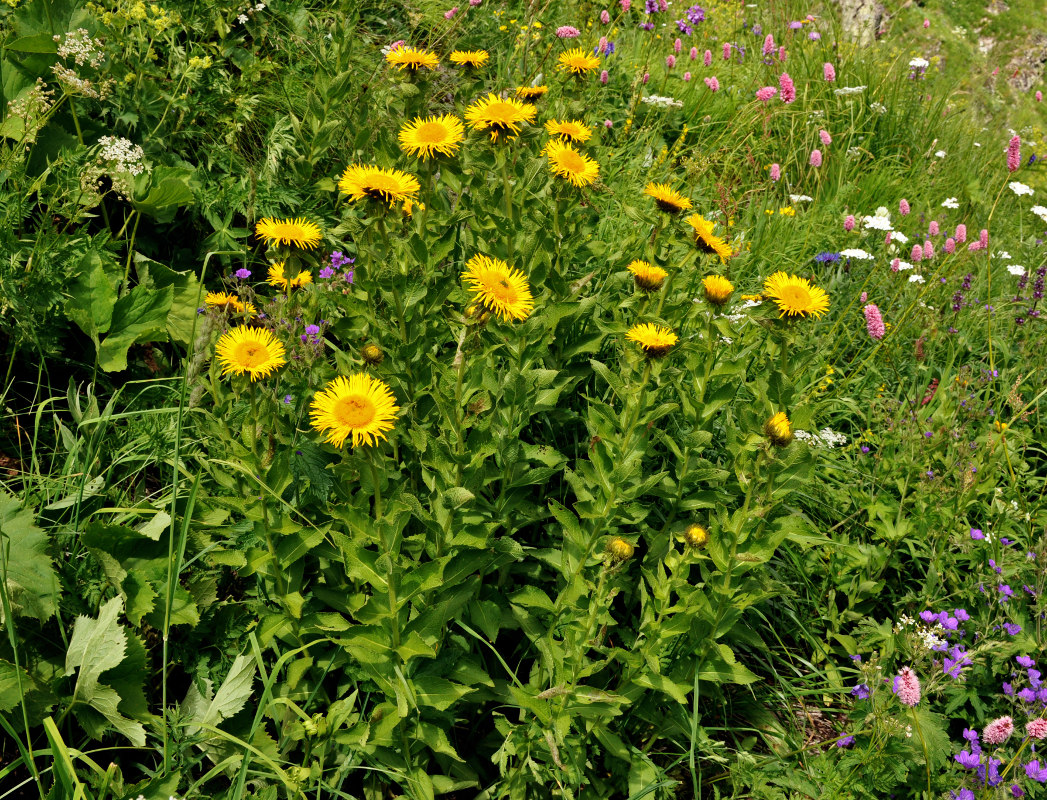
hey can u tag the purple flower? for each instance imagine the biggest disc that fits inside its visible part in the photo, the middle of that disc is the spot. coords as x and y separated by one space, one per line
976 533
856 657
1017 790
823 258
846 741
1036 772
963 794
287 399
861 691
1027 695
865 448
348 276
967 759
961 614
1005 590
928 616
1025 661
1008 690
243 274
327 273
1034 678
1012 629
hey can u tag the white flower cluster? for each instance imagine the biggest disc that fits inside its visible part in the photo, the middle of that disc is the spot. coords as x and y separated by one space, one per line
121 155
916 279
79 46
1016 269
903 265
878 222
845 90
950 202
929 637
1040 211
32 104
919 63
898 236
856 253
825 439
800 198
73 83
661 102
879 108
1019 188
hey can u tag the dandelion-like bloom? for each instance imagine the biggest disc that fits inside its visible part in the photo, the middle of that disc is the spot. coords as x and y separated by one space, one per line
531 94
619 549
569 130
1014 154
848 223
499 287
647 277
907 687
828 72
696 536
360 407
713 83
874 322
656 340
568 32
779 430
667 198
816 158
998 731
718 289
903 207
788 87
776 172
412 59
796 296
277 278
961 233
229 303
567 163
469 58
372 354
499 117
578 61
386 185
250 351
704 238
1036 728
825 137
765 93
298 232
425 137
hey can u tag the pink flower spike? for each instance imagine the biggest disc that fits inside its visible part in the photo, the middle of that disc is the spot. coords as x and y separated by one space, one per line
694 54
677 46
1039 97
816 158
926 23
887 239
907 687
1014 154
707 57
776 172
788 87
670 61
917 253
768 45
713 84
932 229
950 245
961 233
687 77
726 51
766 93
604 76
876 329
449 14
974 247
903 207
646 77
781 53
1036 728
625 4
983 237
475 3
864 297
608 124
896 264
928 250
998 731
605 18
601 46
848 223
829 72
825 137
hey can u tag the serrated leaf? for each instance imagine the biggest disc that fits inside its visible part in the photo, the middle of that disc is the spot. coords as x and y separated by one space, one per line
15 683
139 316
27 568
233 694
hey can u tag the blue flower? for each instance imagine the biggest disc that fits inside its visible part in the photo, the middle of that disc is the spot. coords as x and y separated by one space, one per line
861 691
822 258
846 741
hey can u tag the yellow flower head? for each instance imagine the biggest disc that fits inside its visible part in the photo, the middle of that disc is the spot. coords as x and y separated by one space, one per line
299 232
648 277
385 185
717 289
531 94
667 198
372 354
229 303
277 278
578 61
574 131
696 536
566 162
412 59
499 287
500 117
469 58
704 238
779 430
359 406
796 296
425 137
619 549
656 340
250 351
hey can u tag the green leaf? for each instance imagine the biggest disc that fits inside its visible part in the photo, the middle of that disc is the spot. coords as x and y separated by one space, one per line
439 693
227 701
652 680
186 295
91 297
37 43
14 685
139 316
168 191
28 572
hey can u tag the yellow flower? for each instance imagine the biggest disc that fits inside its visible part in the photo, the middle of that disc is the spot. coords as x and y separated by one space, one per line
566 162
359 406
704 238
277 278
229 302
252 351
656 340
386 185
531 94
779 430
648 277
578 61
574 131
1000 426
667 198
469 58
425 137
412 59
500 116
619 549
796 296
299 232
717 289
788 211
696 536
499 287
372 354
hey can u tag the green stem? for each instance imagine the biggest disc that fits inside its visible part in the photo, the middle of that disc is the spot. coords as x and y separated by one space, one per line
508 192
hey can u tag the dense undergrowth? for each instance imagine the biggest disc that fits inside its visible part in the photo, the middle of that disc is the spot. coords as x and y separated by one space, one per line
520 400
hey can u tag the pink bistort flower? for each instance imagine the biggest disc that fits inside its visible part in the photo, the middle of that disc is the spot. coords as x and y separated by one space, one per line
604 76
687 77
983 237
876 329
776 172
713 84
646 77
825 137
816 158
707 57
726 51
605 18
903 207
1036 728
917 253
998 731
694 54
449 14
677 46
781 53
950 245
568 32
896 265
907 686
670 61
625 4
475 3
926 23
848 223
928 250
829 71
974 247
932 229
1039 97
788 87
768 45
1014 154
961 233
766 93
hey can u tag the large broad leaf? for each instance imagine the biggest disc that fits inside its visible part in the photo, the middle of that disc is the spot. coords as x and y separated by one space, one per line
202 709
91 298
25 565
185 299
140 316
15 683
98 645
168 190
